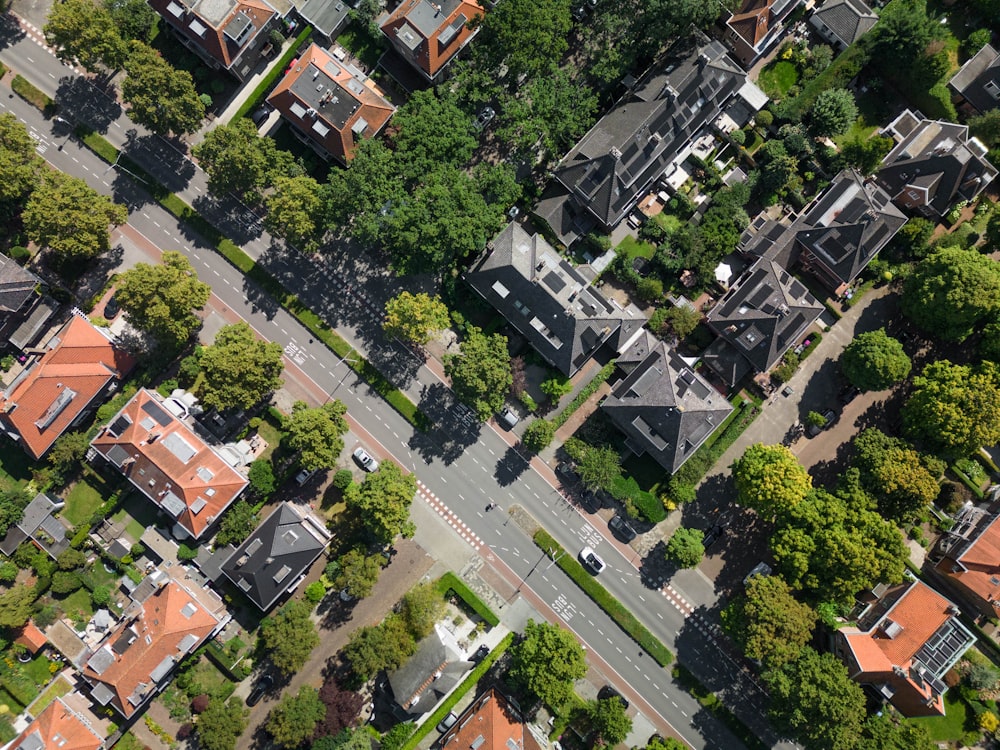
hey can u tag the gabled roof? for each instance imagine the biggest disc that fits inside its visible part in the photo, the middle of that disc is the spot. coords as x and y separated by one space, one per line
428 675
135 658
848 20
429 34
490 722
976 564
278 552
42 403
222 28
978 81
58 727
756 21
549 301
648 129
40 524
29 636
17 285
666 408
332 102
764 314
169 463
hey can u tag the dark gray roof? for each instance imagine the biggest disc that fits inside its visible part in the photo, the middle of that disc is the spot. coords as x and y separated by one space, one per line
647 130
764 314
849 20
427 676
935 165
39 523
17 285
978 81
549 301
725 362
29 330
326 16
280 550
666 408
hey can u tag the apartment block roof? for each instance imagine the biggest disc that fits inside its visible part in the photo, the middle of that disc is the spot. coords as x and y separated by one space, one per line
332 102
169 462
429 34
44 401
58 727
847 20
222 28
17 285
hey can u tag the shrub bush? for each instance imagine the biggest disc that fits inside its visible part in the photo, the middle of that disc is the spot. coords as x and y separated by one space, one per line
539 435
342 479
185 553
315 592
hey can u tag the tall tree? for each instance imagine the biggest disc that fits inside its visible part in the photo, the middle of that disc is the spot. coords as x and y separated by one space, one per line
84 31
15 605
768 623
220 725
883 732
237 160
874 361
903 32
986 127
295 211
317 433
770 479
358 573
833 112
951 291
343 707
525 38
481 373
239 369
159 97
430 131
686 547
422 606
610 722
362 195
374 648
416 318
20 165
547 662
161 300
954 407
289 636
134 19
815 700
893 473
237 524
292 722
382 502
67 215
599 467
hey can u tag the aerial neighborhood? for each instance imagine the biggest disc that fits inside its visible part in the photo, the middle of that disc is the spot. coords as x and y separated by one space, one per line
500 374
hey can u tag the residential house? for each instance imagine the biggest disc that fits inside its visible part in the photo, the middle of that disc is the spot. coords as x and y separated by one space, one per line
836 237
229 35
648 133
30 637
327 17
763 315
428 35
274 559
970 560
176 465
58 390
330 104
902 645
976 85
755 27
428 676
164 622
551 302
665 408
491 722
58 727
934 165
843 22
39 524
23 311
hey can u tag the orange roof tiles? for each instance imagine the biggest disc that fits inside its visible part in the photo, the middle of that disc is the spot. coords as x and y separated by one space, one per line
981 563
62 384
141 651
350 102
751 22
169 463
428 34
489 723
31 637
58 727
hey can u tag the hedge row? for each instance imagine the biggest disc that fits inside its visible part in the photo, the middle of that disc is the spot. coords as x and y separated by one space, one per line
589 390
450 582
603 598
264 87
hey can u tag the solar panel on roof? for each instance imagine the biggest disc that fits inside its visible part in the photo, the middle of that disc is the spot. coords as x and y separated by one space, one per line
119 426
554 282
153 409
117 455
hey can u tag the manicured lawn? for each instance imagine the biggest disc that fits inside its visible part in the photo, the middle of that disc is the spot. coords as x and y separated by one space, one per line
81 503
777 77
141 515
871 111
634 248
57 689
362 46
270 434
38 670
78 601
667 221
958 719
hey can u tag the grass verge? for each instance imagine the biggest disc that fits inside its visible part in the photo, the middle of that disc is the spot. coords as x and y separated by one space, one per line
451 582
33 95
614 608
711 702
431 722
254 100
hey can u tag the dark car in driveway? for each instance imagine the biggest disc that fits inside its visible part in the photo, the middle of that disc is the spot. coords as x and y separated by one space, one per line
264 684
830 416
621 528
607 692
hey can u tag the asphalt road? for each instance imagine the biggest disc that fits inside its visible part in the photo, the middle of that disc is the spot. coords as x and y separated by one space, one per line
462 465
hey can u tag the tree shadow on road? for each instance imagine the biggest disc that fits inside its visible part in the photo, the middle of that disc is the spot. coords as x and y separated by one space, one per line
229 216
455 428
259 300
655 570
10 31
83 102
163 160
511 466
394 361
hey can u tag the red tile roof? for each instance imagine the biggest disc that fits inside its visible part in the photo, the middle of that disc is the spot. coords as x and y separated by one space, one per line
181 14
169 463
62 384
979 569
141 651
59 727
353 102
423 47
752 21
489 723
31 637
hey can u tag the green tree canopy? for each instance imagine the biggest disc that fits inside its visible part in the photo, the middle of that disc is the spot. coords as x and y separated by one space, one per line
67 215
289 636
84 31
599 467
384 646
686 547
161 299
357 196
815 700
874 361
903 32
416 318
833 112
951 291
955 408
986 127
160 97
382 502
15 605
866 154
261 477
422 606
295 211
134 19
240 369
768 622
547 662
317 433
891 470
665 743
610 722
237 524
20 165
831 549
770 479
430 131
883 732
481 373
526 38
292 721
221 724
358 573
